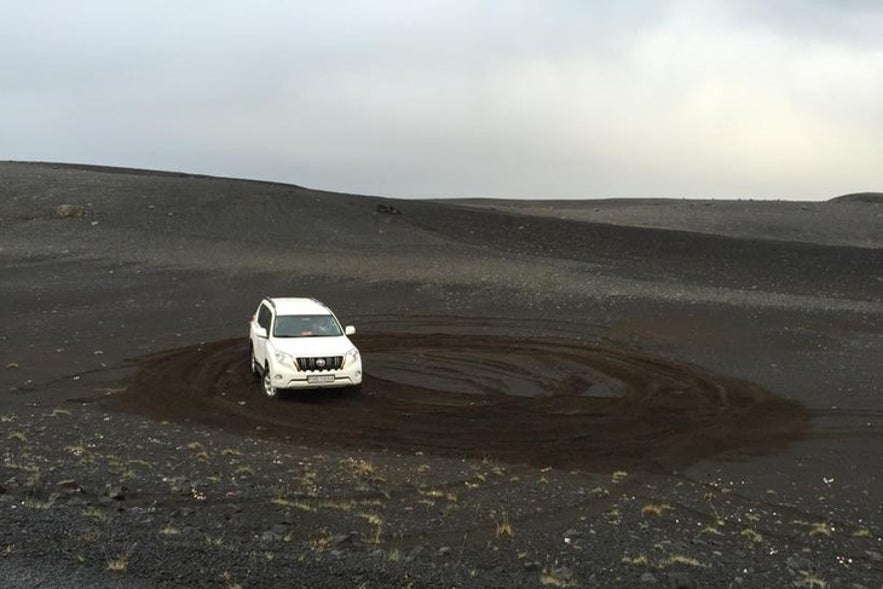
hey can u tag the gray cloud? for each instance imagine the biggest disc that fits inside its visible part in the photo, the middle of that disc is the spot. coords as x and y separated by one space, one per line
419 98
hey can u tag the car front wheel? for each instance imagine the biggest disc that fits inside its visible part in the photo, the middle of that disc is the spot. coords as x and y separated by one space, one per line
267 384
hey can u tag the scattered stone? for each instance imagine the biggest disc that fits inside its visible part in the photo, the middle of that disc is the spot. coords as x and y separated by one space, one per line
342 539
681 581
648 578
117 492
573 534
563 574
874 555
444 550
12 366
270 536
70 485
531 565
69 211
387 210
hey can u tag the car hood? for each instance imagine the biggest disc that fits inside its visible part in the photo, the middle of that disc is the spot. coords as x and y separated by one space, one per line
312 347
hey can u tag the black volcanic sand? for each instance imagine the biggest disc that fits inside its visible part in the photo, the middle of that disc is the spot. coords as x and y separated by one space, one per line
539 402
596 394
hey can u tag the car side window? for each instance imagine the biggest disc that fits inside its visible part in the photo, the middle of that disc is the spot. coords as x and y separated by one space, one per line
264 317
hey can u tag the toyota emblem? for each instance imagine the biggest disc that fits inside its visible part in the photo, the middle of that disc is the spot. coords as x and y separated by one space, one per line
320 362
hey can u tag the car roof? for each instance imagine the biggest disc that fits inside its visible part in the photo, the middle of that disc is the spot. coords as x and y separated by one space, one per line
298 306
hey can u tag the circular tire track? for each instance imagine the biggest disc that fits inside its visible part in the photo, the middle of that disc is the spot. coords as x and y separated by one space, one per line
544 402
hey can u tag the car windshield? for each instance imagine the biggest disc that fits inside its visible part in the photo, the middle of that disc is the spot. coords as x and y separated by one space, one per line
306 326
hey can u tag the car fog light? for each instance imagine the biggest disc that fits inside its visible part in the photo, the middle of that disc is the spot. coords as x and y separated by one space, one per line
358 373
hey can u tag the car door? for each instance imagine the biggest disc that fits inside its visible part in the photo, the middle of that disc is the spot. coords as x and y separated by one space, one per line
264 319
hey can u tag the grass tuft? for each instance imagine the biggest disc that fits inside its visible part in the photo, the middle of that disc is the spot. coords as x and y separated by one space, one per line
655 509
752 535
680 559
504 527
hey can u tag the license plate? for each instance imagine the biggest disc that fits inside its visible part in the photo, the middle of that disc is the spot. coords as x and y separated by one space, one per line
321 378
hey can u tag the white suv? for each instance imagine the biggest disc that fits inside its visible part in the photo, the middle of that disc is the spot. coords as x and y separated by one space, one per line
297 343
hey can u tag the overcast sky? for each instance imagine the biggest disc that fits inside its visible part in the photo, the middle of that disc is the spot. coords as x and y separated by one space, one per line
414 98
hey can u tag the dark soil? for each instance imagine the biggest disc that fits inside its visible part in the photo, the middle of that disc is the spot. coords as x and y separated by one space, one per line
604 395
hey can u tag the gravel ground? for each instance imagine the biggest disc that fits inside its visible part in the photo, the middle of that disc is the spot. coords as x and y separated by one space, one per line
104 482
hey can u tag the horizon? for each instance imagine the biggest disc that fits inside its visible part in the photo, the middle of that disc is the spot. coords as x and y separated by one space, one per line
521 100
99 168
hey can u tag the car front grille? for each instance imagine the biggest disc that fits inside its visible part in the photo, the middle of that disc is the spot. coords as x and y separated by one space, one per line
320 364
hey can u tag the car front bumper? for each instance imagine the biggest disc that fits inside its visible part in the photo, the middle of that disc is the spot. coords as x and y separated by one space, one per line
286 377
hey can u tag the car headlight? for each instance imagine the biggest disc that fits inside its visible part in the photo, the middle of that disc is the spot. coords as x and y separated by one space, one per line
284 358
350 357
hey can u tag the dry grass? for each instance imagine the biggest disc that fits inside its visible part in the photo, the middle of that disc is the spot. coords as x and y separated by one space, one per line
169 531
303 506
16 436
655 509
321 540
549 579
862 533
752 535
619 476
820 529
229 583
680 559
120 564
504 527
640 560
811 581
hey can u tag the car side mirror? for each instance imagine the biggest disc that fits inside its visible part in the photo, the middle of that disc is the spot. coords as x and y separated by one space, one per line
349 330
260 332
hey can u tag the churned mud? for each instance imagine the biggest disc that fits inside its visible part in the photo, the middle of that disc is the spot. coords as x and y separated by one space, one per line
538 401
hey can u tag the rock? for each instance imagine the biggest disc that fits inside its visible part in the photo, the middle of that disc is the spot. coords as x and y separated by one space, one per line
68 211
12 366
573 534
387 210
563 574
342 539
874 555
648 578
116 492
444 551
531 565
70 485
681 581
270 536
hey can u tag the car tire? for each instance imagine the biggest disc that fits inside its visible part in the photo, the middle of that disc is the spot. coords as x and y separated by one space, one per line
267 384
255 371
